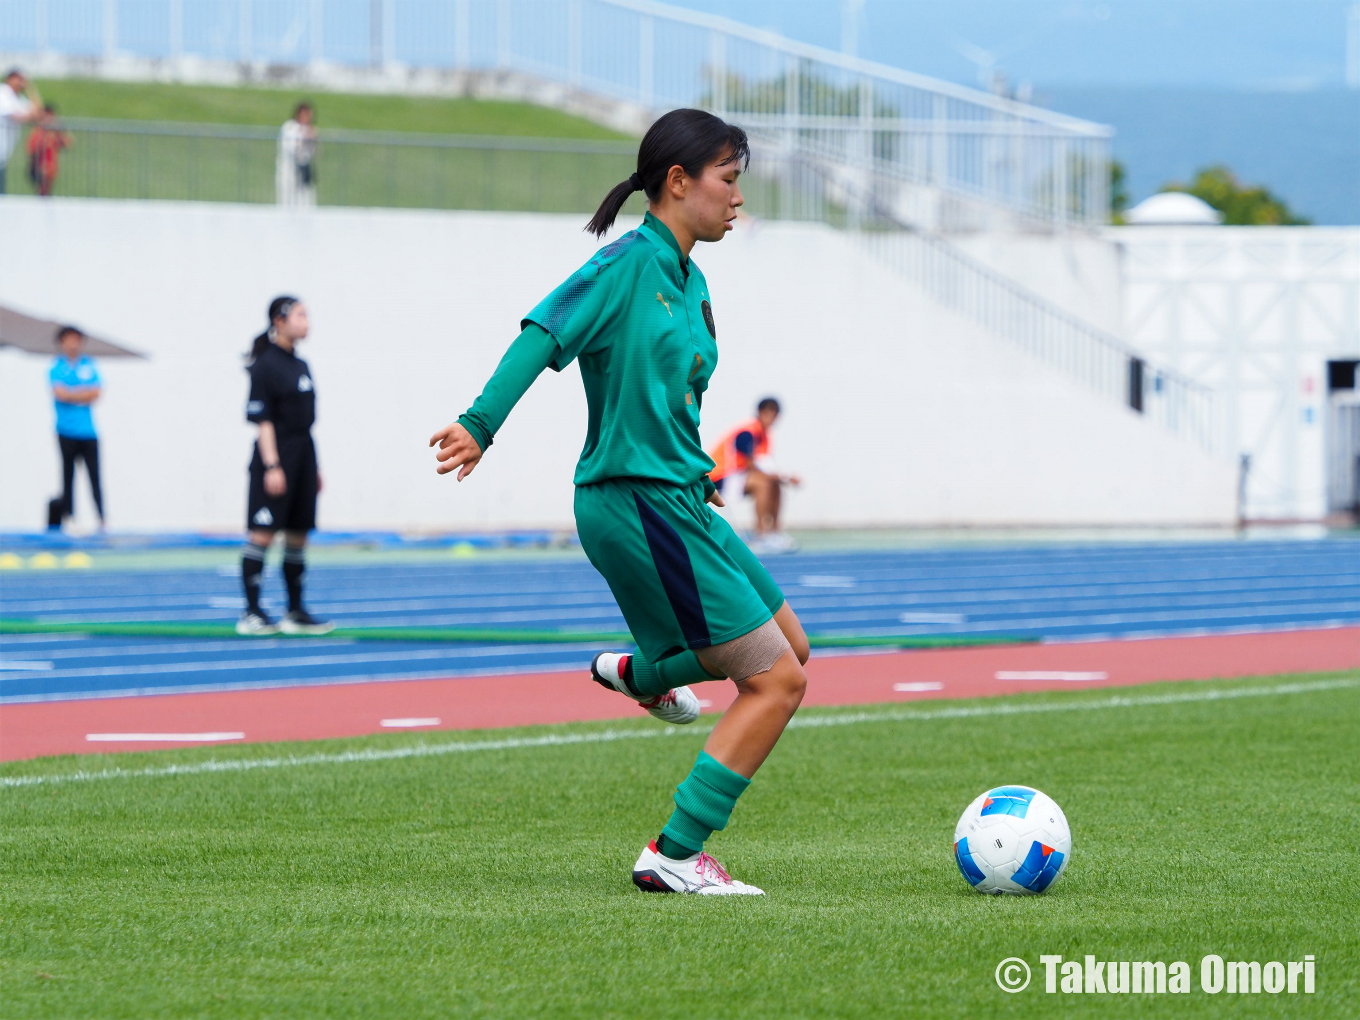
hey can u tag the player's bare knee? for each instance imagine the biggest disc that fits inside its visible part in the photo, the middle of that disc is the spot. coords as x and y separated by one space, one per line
787 682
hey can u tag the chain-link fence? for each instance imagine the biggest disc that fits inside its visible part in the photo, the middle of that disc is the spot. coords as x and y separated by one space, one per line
225 163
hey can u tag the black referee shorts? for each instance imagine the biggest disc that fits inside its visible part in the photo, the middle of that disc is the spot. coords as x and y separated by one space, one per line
295 510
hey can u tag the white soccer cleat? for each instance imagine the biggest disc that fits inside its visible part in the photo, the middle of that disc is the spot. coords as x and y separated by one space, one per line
699 874
255 625
679 707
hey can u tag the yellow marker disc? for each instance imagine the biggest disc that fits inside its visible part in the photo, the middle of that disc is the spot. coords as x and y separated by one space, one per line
78 559
8 561
465 549
43 561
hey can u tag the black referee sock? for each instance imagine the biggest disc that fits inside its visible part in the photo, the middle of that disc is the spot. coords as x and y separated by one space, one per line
252 566
294 567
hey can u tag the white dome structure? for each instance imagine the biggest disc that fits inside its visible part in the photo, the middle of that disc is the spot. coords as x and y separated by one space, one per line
1173 208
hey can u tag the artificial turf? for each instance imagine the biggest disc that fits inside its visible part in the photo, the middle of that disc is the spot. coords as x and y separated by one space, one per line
494 881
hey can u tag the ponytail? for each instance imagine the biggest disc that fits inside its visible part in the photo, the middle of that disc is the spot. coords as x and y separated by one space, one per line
278 309
613 202
257 347
690 139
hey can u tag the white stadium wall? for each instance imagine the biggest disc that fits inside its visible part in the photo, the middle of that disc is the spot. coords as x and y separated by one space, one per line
897 411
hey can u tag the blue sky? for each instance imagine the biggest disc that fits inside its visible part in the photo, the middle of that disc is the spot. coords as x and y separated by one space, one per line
1272 45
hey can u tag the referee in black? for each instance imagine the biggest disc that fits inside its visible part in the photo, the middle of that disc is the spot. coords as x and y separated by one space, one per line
284 480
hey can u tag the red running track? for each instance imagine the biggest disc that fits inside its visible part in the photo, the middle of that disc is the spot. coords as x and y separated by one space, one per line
348 710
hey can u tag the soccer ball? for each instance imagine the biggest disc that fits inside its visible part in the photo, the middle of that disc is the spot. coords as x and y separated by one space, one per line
1013 839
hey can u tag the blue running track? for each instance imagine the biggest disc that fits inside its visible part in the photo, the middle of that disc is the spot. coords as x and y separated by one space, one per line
1053 592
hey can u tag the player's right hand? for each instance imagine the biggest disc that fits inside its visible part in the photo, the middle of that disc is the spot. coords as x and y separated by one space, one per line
457 450
275 482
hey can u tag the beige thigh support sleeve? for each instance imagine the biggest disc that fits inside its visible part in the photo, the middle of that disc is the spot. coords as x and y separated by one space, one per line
744 657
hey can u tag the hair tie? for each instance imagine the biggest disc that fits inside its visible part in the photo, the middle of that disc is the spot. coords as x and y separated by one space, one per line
635 182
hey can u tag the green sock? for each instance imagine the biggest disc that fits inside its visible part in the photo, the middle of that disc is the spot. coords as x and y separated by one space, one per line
647 679
703 803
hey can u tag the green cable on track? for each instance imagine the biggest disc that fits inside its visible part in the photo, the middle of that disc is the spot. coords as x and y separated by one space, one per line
134 628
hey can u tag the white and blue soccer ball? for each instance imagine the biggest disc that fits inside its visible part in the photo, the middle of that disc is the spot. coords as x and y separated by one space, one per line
1012 839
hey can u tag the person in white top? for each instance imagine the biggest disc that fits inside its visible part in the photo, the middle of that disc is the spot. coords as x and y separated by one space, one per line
19 105
295 169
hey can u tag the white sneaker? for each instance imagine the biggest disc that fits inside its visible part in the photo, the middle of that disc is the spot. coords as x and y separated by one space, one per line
679 706
255 625
700 874
773 543
299 621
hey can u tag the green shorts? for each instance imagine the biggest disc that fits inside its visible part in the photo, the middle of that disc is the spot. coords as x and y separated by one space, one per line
678 571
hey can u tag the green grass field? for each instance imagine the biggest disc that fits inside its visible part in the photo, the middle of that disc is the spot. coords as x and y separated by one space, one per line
206 104
475 880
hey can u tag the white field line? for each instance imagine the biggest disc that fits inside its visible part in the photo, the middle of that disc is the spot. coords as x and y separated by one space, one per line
410 722
918 685
612 736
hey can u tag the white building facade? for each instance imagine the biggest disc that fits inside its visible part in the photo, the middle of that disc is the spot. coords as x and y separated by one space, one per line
1270 318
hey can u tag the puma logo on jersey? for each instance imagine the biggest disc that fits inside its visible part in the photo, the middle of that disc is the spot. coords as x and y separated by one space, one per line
304 384
666 303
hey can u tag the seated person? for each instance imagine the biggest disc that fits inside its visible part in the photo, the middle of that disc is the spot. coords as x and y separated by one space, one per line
744 466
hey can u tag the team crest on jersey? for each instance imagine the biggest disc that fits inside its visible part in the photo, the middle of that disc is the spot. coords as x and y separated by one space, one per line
305 384
707 309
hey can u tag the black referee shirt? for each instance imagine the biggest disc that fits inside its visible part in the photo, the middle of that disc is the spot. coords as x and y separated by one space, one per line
281 392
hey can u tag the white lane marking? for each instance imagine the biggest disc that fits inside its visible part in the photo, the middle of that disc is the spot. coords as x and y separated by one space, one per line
161 738
1050 674
826 581
918 685
411 723
932 618
611 736
21 664
705 703
295 662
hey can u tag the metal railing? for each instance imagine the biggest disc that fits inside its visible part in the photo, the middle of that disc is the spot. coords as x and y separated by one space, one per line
1045 331
230 163
942 144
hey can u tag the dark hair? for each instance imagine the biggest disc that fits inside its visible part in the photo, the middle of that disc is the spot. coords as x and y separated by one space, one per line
769 403
50 107
278 309
304 105
64 331
690 139
13 72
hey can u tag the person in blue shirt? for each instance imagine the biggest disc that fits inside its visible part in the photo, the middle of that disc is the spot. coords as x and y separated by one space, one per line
75 388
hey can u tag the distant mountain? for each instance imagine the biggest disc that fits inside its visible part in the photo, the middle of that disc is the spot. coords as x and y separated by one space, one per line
1304 146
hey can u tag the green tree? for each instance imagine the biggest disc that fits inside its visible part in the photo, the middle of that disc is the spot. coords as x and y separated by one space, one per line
1119 192
1241 205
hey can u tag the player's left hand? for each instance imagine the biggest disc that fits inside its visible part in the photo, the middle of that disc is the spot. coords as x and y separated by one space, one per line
457 450
715 497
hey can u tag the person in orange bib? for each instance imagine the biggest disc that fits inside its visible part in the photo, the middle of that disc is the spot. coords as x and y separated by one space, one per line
743 466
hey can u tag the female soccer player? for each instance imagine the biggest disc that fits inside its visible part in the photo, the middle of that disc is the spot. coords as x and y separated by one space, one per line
284 480
699 604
